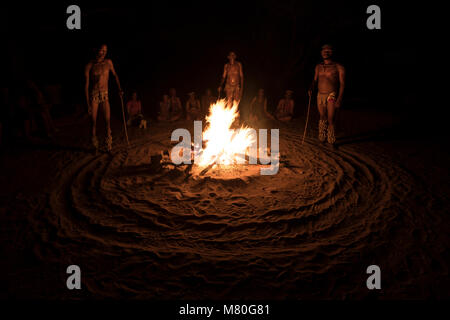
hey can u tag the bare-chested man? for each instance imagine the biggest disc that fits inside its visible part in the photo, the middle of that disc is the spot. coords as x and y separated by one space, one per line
97 73
233 77
285 108
176 109
193 107
206 101
330 79
164 109
258 108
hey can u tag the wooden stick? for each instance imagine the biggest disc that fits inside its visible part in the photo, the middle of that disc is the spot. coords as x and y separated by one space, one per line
307 117
124 122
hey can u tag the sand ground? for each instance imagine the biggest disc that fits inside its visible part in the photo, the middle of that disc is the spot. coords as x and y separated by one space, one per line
138 230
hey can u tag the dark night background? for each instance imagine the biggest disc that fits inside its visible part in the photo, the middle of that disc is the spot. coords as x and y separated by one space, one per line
162 44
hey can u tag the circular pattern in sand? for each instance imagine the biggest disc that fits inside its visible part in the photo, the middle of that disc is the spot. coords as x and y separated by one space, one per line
320 210
318 196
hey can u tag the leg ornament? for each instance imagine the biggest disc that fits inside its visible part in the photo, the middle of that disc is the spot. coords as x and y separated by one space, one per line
322 130
331 136
95 142
108 142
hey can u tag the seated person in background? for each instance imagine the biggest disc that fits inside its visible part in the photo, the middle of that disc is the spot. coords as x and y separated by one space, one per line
23 113
285 108
258 108
193 108
176 109
164 109
134 109
41 107
207 100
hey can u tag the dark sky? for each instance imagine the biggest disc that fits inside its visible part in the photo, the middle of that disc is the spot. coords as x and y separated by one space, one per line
159 44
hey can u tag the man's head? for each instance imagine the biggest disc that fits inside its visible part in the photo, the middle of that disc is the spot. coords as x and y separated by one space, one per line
288 94
134 95
165 97
327 51
101 52
191 95
172 92
261 92
231 56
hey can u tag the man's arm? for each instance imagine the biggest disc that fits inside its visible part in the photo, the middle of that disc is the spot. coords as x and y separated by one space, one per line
291 108
128 107
113 71
87 71
241 75
224 76
314 82
341 71
268 114
252 105
279 105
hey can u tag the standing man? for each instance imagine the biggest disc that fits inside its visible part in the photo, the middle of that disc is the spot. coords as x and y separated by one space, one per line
97 73
329 77
234 77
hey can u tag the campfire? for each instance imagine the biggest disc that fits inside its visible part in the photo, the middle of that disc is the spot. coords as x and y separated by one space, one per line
222 144
221 150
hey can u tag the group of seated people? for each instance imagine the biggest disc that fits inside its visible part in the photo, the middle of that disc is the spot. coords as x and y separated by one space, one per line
258 108
171 108
25 110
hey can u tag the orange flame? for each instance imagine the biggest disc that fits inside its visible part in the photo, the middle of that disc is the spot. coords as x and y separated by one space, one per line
224 145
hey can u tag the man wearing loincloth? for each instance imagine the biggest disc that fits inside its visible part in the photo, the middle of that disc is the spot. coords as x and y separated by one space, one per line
233 77
329 77
97 73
